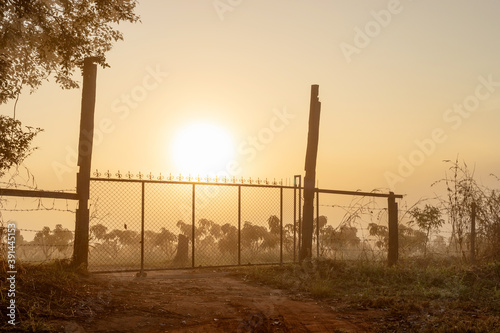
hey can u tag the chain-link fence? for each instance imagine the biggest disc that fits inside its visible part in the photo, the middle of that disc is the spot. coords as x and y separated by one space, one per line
138 224
148 224
163 224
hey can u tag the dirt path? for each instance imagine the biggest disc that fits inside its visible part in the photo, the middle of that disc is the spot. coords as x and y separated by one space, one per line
207 301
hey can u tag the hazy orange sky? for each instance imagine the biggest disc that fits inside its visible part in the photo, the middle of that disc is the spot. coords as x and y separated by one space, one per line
404 85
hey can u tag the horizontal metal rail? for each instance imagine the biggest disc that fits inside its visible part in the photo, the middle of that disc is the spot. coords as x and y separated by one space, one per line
37 194
122 180
359 193
365 194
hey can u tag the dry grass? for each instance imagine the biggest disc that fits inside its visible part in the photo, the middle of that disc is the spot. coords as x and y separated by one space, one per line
47 293
426 296
415 296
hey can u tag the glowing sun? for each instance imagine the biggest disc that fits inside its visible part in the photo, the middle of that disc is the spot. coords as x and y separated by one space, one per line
202 148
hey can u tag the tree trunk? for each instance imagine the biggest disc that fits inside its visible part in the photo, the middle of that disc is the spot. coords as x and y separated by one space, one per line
181 257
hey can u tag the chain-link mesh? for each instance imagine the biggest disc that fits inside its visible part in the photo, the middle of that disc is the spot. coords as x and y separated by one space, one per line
167 221
190 224
260 225
155 224
115 225
216 225
231 224
290 219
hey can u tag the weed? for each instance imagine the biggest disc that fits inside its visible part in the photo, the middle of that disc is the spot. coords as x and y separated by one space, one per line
47 291
424 296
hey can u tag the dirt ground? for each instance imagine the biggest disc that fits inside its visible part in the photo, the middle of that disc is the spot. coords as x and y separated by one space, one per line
208 301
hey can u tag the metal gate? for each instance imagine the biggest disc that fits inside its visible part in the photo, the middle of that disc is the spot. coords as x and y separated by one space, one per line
144 224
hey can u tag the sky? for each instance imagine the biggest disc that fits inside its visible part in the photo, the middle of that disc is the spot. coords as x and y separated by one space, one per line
404 85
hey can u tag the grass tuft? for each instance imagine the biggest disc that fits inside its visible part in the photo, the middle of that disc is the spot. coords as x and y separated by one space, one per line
419 295
46 291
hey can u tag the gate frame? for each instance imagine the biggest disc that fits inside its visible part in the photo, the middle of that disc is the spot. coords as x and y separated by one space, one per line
392 256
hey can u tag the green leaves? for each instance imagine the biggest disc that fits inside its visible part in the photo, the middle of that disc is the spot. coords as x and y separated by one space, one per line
39 38
14 143
428 218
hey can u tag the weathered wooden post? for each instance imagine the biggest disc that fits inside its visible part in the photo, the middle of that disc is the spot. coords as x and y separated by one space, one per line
392 207
473 234
81 244
317 224
310 177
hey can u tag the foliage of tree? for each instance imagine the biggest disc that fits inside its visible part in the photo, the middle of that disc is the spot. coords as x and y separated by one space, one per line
14 143
427 219
185 229
381 232
252 236
323 220
289 230
463 192
123 237
165 240
337 240
207 233
50 241
228 242
4 240
274 224
410 241
39 38
97 232
272 238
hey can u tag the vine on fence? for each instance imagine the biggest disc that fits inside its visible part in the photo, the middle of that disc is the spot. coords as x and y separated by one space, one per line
463 192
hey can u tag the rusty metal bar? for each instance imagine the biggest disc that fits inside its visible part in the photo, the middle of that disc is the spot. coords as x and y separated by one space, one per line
365 194
281 225
142 273
297 183
239 225
37 194
343 192
193 226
